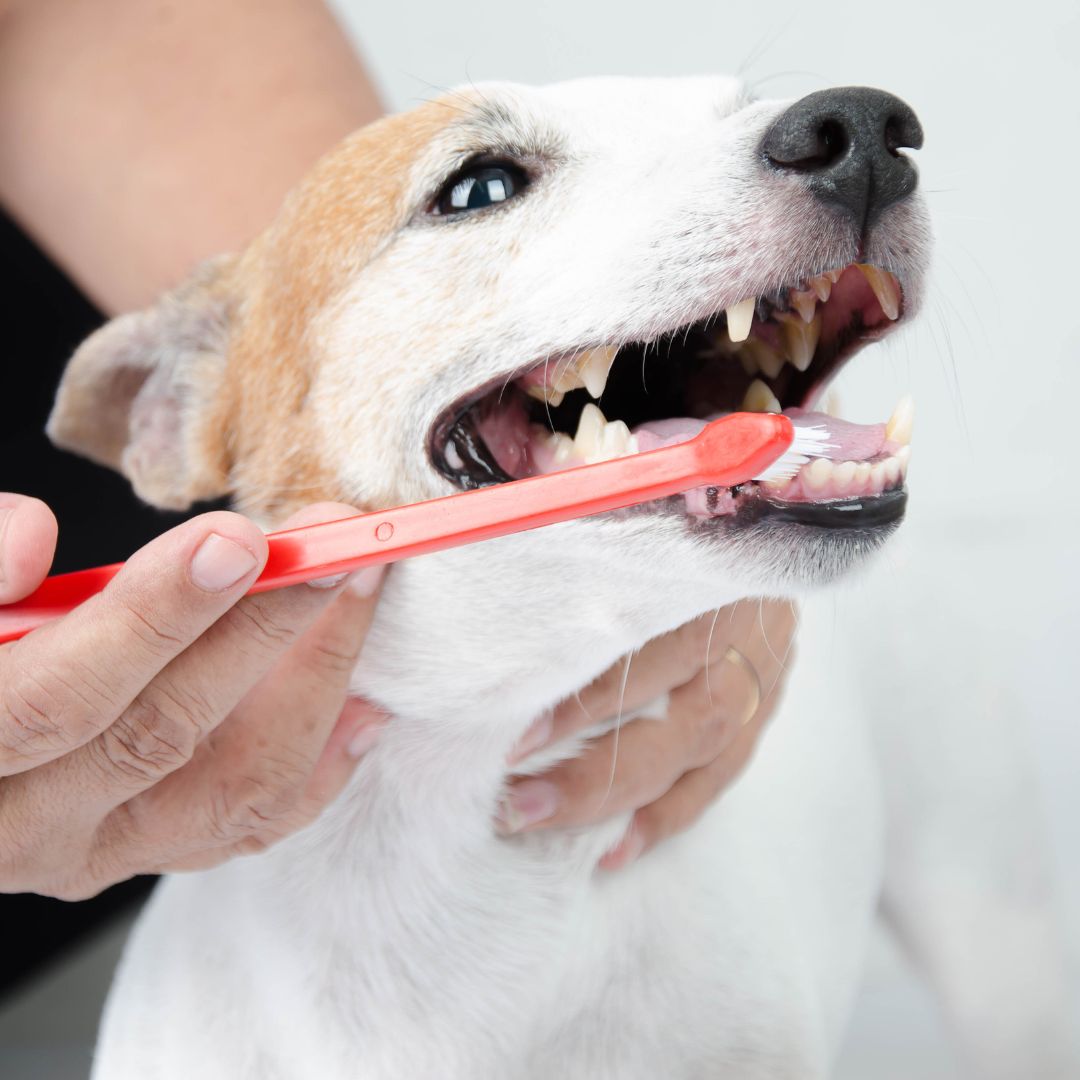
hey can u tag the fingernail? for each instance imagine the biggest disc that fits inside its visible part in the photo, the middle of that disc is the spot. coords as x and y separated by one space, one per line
626 851
328 582
220 562
5 517
537 735
527 803
364 740
365 582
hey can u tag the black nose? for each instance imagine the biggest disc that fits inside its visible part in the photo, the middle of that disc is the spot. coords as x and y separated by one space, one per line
844 143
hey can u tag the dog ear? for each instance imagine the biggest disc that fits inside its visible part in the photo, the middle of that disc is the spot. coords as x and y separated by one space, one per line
138 394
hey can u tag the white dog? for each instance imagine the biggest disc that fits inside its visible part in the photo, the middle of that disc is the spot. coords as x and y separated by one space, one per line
503 282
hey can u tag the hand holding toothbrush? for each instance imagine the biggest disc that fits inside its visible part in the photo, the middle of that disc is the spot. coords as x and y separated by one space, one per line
102 779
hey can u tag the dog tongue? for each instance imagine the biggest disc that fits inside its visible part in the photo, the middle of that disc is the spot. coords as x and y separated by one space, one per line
847 441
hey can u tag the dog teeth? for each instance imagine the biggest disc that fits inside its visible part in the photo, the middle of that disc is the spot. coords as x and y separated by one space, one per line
898 429
598 440
567 378
542 392
590 430
739 319
801 339
903 456
885 287
772 363
822 286
816 476
843 474
805 303
594 366
825 479
561 446
759 398
588 370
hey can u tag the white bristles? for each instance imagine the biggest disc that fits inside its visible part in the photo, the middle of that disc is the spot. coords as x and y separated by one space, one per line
809 443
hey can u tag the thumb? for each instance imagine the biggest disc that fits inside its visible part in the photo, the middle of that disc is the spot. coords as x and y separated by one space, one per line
27 544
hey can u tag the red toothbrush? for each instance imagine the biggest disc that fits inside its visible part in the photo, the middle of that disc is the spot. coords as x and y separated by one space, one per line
729 451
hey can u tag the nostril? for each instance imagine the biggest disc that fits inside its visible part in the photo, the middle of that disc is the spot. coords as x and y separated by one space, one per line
895 136
833 142
814 148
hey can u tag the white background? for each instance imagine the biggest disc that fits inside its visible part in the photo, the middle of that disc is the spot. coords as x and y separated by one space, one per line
994 363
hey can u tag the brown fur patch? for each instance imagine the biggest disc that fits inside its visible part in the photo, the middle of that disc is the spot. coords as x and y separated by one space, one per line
352 202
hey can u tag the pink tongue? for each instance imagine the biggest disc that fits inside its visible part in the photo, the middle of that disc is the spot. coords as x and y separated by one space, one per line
848 442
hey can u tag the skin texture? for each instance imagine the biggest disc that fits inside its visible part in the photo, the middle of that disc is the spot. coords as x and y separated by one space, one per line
248 722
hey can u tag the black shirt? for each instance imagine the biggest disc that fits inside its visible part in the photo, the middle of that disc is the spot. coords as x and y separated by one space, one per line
101 521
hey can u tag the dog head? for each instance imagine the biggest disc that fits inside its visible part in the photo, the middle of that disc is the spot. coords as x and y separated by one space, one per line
511 280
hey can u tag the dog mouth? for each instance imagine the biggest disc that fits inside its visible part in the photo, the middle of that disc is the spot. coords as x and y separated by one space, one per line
773 353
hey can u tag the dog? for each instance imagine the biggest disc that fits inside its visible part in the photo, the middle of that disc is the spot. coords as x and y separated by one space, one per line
502 282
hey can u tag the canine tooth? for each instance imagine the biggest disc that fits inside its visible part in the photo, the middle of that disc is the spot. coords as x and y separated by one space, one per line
832 404
822 287
833 275
885 289
593 367
816 475
739 319
542 392
805 303
898 429
801 341
843 474
759 398
589 438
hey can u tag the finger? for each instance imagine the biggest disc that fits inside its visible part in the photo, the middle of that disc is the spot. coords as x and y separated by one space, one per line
762 629
159 731
634 765
357 731
255 780
66 682
633 681
764 632
690 796
27 544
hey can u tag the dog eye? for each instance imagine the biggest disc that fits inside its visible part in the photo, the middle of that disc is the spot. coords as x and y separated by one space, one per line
478 187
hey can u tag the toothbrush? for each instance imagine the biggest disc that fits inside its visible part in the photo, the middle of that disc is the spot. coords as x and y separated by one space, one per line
729 451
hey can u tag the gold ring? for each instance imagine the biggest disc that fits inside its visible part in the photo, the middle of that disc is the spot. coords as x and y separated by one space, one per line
737 658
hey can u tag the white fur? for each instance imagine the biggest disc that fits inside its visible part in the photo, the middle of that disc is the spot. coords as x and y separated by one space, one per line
400 937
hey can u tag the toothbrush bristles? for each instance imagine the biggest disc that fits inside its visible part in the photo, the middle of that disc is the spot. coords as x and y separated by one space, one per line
809 443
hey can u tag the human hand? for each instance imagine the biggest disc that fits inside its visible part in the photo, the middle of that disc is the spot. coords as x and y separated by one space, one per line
724 674
170 723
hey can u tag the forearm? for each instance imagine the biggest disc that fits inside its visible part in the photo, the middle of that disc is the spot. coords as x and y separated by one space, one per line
140 136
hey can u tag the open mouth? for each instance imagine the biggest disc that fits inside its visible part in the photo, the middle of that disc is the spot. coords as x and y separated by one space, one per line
774 353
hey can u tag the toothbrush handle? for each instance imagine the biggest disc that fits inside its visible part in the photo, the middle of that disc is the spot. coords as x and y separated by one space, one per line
728 451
